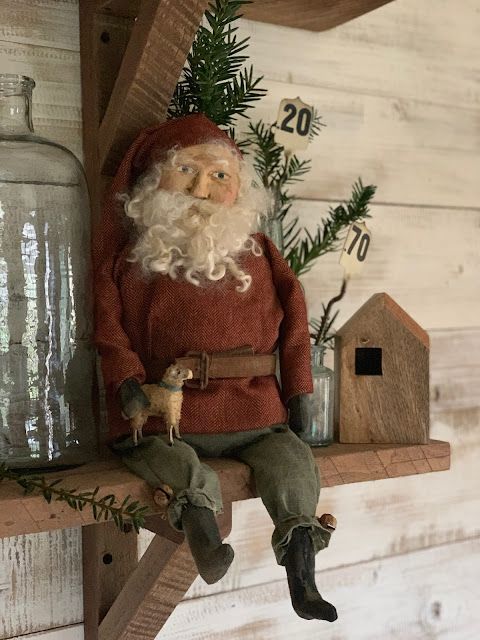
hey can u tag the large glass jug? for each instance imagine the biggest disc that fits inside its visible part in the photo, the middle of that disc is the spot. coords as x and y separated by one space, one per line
46 355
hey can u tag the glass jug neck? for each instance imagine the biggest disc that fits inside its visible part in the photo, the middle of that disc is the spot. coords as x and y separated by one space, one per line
318 353
15 104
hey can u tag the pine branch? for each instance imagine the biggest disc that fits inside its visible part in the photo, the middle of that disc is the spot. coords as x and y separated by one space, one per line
277 169
214 80
316 126
267 159
106 507
302 255
292 171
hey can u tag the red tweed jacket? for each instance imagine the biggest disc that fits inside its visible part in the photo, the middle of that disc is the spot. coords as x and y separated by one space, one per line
140 319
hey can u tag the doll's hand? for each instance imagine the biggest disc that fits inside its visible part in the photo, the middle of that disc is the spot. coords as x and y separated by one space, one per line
132 398
298 412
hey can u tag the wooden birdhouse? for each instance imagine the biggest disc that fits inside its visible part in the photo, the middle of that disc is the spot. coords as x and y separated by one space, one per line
382 376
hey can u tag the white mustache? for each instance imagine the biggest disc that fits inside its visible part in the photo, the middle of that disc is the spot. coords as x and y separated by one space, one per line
180 206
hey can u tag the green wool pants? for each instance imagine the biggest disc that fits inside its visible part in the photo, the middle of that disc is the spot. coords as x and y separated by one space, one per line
285 473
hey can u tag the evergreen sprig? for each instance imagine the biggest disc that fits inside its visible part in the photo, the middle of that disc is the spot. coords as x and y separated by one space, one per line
276 168
267 154
215 81
316 126
302 254
103 508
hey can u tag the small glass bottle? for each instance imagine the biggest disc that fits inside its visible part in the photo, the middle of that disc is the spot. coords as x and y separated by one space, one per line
46 354
271 224
318 431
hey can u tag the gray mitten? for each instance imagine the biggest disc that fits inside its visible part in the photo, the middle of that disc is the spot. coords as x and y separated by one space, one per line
299 413
132 398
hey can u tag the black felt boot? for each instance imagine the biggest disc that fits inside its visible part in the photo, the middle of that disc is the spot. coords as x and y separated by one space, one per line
300 566
201 530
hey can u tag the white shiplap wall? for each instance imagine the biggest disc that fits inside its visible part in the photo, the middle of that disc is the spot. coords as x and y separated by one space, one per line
399 89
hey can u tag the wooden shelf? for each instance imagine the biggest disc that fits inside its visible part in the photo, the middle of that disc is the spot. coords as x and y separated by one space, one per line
312 15
338 464
127 599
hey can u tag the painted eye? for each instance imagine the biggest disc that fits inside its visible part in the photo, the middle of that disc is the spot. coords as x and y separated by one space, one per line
184 168
221 175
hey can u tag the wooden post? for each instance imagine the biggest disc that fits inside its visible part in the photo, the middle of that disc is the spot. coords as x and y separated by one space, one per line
109 557
132 54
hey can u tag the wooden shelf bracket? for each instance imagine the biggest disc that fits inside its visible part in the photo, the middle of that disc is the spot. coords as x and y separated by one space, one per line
129 600
132 55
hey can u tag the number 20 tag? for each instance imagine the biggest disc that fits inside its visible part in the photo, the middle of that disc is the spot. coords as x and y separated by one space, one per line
294 121
355 249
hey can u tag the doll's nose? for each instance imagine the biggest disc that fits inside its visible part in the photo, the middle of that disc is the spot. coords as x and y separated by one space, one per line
201 187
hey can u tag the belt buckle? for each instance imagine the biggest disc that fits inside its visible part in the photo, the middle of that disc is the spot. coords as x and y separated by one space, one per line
204 370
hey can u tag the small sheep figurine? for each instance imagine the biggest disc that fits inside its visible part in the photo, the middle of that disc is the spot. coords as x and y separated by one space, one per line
165 400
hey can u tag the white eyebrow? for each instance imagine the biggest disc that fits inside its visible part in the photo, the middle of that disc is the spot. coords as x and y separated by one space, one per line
178 161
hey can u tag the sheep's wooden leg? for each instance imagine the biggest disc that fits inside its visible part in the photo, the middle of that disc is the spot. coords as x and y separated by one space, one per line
172 418
137 423
173 428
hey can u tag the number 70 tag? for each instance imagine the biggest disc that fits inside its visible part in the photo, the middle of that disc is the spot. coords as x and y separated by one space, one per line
355 249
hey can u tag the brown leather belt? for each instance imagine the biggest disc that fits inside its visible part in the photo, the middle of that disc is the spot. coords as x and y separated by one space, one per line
237 363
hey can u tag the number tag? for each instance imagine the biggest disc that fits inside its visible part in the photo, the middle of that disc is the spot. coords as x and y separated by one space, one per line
355 248
294 121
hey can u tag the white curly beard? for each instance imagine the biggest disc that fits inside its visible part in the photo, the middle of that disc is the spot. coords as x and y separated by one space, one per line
197 239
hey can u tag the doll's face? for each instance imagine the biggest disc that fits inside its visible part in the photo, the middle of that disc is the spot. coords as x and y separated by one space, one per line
205 171
196 213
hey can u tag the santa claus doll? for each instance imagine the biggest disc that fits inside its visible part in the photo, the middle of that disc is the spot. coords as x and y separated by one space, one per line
182 276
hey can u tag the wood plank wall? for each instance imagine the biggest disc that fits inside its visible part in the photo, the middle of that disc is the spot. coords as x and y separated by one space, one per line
399 91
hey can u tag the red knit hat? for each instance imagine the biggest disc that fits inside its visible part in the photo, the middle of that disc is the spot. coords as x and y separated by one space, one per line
150 146
153 143
179 133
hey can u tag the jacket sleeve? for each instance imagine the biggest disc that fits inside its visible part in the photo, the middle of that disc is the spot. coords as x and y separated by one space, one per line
118 359
294 339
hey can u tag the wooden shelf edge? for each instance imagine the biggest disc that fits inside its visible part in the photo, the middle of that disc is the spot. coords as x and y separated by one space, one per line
311 15
338 464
